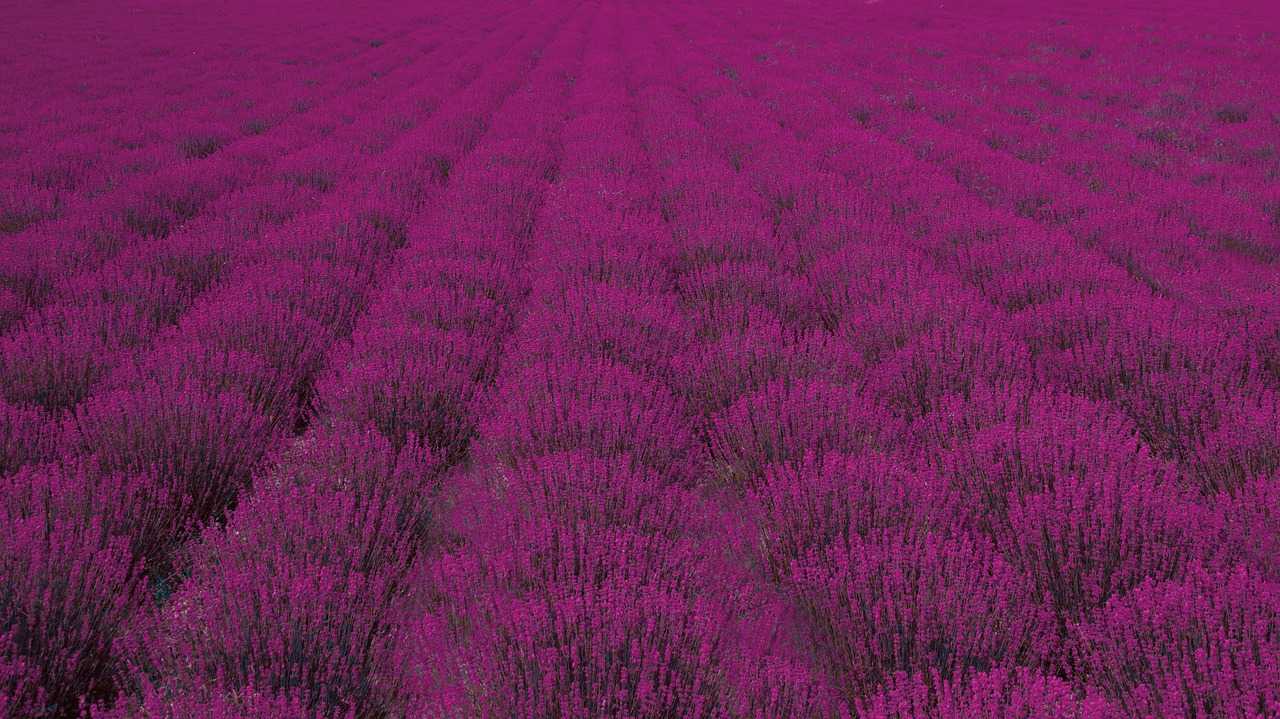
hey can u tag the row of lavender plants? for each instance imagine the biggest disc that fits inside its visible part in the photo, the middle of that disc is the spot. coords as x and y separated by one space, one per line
590 580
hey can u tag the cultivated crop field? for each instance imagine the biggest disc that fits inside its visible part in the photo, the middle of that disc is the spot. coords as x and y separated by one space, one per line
648 359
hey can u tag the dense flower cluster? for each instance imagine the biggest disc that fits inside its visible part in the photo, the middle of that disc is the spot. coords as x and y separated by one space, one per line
892 360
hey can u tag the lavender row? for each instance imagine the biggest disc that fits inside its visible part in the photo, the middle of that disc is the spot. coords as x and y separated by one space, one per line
572 595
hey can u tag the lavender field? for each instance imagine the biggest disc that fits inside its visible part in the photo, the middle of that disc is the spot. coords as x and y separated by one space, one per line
659 359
